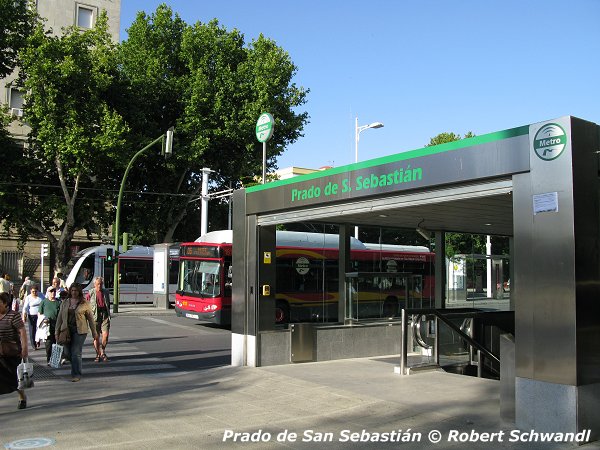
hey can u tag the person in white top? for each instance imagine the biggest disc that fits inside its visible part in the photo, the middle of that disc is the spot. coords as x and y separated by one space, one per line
56 286
30 312
8 286
5 284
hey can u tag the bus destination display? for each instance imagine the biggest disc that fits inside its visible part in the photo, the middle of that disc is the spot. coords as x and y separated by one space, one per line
200 251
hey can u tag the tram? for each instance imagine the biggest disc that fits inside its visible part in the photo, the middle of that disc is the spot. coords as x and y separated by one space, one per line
135 268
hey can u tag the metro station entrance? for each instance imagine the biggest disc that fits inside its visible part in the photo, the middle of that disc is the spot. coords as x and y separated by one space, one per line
537 185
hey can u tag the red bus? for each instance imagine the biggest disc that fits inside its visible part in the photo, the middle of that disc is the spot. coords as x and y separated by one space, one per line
393 277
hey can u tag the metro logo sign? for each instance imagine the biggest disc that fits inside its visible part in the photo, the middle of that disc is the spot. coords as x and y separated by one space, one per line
549 142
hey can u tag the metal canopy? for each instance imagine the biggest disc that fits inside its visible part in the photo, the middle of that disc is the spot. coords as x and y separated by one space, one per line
482 208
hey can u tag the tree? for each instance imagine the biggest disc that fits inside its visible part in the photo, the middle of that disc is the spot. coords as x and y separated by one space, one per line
212 86
16 23
61 181
443 138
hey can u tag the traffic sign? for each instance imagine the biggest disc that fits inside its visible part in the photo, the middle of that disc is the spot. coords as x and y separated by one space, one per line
265 127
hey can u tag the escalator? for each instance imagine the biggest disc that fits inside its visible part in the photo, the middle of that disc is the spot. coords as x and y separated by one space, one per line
465 342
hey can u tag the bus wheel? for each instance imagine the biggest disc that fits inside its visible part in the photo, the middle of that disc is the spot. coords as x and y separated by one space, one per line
282 312
390 307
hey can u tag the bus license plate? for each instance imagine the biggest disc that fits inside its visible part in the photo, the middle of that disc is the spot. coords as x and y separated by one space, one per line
192 316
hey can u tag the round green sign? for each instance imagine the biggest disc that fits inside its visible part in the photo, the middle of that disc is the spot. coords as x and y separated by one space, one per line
549 142
265 127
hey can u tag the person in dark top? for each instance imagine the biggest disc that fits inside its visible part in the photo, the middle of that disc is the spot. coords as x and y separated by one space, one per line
13 348
49 309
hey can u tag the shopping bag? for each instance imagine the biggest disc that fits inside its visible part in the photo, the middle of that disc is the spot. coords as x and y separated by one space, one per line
56 356
25 374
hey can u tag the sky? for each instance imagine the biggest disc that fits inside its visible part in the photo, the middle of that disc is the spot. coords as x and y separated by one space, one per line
421 67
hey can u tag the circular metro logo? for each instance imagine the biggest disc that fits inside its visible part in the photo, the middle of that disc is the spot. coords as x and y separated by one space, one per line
550 141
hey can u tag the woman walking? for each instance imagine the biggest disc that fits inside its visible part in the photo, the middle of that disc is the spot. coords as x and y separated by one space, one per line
30 312
13 348
75 319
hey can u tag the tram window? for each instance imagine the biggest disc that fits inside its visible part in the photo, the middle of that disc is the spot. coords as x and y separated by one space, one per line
86 271
136 271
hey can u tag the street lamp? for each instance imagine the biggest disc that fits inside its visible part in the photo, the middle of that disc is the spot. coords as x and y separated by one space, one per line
167 146
357 131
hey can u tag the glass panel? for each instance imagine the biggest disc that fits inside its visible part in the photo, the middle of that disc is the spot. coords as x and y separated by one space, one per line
478 281
84 17
200 278
85 274
16 99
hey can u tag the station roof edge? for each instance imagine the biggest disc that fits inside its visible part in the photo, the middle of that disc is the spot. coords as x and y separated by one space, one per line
424 151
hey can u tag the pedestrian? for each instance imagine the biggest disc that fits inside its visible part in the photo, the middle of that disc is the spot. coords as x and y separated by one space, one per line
49 309
56 286
25 290
75 318
9 287
13 348
61 279
30 313
99 299
5 284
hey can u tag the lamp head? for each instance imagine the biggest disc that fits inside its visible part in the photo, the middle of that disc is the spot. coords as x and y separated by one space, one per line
376 125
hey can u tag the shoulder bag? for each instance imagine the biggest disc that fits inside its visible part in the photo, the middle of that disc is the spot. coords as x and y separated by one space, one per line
9 349
64 336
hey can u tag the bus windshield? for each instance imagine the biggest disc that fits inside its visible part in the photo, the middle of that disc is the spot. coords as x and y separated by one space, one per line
200 278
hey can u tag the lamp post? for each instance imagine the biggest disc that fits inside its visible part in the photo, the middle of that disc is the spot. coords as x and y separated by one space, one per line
357 131
167 145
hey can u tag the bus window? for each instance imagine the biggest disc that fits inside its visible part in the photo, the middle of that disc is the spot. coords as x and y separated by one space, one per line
200 278
229 271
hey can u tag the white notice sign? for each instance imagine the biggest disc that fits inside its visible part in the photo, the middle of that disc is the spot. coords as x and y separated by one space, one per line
158 285
547 202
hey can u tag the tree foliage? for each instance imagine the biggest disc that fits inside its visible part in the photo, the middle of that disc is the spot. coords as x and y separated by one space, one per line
92 104
16 23
212 86
60 178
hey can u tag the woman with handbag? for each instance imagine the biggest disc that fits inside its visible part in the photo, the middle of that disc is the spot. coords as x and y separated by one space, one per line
74 321
13 348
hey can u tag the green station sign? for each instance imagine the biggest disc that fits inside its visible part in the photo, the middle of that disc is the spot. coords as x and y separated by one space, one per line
265 125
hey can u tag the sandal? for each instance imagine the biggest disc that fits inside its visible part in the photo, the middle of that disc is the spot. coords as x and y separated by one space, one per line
22 404
97 359
104 357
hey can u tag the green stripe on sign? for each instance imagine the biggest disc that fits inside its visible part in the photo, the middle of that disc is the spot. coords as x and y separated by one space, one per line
425 151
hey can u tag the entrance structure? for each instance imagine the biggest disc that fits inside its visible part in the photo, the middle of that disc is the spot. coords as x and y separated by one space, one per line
537 183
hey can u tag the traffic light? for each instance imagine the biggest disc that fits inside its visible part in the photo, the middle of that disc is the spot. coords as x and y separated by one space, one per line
44 249
110 254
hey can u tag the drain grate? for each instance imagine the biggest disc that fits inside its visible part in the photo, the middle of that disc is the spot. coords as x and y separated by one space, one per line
42 372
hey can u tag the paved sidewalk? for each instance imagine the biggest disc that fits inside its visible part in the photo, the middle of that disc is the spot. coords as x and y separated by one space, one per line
192 410
144 310
137 401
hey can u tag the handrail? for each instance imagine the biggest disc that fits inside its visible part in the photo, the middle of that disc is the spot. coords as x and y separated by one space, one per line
439 316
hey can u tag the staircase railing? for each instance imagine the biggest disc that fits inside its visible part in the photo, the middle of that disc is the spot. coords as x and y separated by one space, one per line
416 315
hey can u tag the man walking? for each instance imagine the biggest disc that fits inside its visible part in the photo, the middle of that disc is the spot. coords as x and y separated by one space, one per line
56 286
99 299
